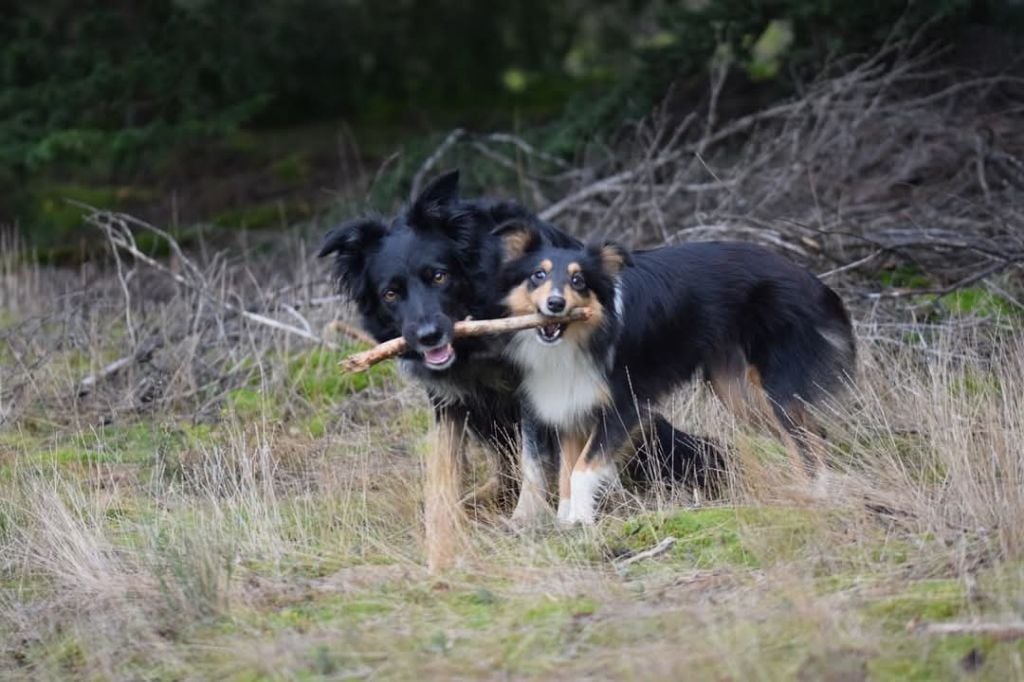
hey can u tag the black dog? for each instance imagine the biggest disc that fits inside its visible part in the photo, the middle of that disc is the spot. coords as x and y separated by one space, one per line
757 325
437 263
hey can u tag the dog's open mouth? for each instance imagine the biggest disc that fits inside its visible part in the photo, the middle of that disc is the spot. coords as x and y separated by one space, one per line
550 333
440 357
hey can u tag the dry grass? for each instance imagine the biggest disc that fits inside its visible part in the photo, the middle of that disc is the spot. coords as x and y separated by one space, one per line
225 505
270 527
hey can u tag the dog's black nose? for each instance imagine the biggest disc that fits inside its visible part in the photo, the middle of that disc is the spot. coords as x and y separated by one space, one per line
556 304
429 335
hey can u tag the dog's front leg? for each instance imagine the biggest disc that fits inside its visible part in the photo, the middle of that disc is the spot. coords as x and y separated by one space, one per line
445 520
533 491
595 470
571 448
538 455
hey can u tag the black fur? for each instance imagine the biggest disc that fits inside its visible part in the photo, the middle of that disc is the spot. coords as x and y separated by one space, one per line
702 307
440 232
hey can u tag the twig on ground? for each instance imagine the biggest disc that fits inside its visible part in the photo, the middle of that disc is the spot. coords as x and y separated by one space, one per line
656 551
1000 631
142 354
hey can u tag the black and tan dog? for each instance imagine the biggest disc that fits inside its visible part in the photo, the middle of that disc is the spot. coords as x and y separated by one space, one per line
766 333
414 276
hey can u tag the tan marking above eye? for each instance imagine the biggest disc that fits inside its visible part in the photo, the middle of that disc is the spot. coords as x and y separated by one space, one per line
546 265
574 268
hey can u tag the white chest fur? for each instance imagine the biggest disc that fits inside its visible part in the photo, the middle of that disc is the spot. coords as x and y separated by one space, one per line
562 383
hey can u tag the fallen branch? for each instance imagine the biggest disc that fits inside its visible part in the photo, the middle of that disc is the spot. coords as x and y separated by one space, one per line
656 551
360 362
1000 631
141 355
119 235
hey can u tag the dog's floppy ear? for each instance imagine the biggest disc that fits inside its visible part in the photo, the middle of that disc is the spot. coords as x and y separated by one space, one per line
518 238
435 197
352 241
614 257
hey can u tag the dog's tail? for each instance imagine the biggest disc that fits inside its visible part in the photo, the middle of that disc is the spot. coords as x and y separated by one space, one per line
677 458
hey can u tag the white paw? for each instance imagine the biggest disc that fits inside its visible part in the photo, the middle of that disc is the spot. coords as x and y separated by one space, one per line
587 489
582 510
564 507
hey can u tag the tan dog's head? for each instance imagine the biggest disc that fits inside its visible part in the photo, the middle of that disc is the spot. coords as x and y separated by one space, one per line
555 281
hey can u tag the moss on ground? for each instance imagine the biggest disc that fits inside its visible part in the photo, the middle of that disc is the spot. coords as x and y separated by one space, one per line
927 600
722 537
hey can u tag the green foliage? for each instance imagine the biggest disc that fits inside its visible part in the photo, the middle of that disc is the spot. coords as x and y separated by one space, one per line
86 83
771 42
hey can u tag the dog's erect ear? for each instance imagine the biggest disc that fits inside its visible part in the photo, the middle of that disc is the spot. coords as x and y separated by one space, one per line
518 238
614 257
352 241
440 193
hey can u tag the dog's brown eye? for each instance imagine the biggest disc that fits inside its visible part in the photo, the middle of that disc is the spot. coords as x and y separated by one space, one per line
539 276
577 282
440 277
390 296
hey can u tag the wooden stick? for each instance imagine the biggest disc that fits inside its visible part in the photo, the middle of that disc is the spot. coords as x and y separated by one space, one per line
360 362
659 549
1000 631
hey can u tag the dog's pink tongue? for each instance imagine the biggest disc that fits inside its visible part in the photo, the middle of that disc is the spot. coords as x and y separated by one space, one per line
438 356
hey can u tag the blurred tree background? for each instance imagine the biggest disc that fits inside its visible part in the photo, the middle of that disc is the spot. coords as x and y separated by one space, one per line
258 114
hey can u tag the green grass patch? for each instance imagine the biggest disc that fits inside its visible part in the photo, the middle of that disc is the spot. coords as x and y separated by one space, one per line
315 375
744 537
129 444
927 600
977 301
334 609
905 277
250 403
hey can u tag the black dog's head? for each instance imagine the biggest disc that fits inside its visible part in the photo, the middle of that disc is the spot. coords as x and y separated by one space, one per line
436 263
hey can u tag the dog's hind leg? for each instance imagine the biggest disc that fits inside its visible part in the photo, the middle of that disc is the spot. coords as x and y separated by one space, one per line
738 386
804 440
741 387
445 520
